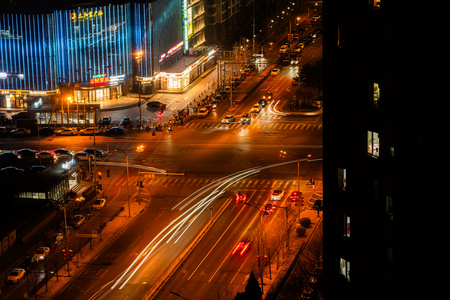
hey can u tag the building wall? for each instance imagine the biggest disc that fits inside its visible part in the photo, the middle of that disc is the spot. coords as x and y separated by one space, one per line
92 41
26 48
381 120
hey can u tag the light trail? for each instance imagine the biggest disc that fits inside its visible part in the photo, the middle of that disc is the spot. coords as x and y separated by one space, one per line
178 227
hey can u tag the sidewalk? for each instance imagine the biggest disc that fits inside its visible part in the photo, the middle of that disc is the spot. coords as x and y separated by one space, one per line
111 229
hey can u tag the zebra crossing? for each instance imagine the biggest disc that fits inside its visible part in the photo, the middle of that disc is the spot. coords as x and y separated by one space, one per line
255 125
260 184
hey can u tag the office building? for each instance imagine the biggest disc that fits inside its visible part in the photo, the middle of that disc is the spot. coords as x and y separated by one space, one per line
385 163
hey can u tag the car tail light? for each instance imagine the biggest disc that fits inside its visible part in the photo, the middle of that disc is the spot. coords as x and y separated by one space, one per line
244 249
238 246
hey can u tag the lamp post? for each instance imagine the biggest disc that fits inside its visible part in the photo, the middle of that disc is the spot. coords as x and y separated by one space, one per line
283 155
138 60
260 238
126 152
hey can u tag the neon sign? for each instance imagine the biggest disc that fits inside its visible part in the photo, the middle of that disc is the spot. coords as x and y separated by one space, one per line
100 79
171 51
86 16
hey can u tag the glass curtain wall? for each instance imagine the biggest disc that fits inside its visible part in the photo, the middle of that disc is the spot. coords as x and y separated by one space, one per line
26 52
92 41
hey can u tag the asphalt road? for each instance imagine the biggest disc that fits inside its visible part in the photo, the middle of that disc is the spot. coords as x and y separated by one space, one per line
207 151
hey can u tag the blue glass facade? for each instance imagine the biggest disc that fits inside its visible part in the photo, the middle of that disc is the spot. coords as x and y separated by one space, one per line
27 56
92 41
45 54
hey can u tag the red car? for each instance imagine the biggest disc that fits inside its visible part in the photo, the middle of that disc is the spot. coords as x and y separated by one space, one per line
268 209
240 197
241 248
295 196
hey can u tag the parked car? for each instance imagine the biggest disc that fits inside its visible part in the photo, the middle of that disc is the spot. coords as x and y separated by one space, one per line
246 118
115 131
78 221
36 169
99 204
228 119
105 120
15 275
46 131
11 171
89 131
20 132
9 157
66 132
27 153
42 252
81 156
127 122
203 112
93 151
47 155
29 263
63 153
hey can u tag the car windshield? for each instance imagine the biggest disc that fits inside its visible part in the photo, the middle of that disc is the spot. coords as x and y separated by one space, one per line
15 273
276 192
40 251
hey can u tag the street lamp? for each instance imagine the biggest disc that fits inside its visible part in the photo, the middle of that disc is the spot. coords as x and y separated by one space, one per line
138 60
138 149
260 239
283 155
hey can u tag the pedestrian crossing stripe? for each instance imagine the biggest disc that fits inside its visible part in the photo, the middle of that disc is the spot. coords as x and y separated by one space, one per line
197 182
256 125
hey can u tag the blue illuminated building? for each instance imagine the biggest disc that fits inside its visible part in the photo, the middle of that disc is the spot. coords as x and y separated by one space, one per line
93 54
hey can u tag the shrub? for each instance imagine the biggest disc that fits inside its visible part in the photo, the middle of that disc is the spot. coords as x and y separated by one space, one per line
305 222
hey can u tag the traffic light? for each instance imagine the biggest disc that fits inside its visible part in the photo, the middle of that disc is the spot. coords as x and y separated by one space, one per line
70 254
258 260
266 260
302 201
64 254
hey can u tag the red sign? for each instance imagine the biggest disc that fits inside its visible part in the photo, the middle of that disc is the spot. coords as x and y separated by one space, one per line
99 80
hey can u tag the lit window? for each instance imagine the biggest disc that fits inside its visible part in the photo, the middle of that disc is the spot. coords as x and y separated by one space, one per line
373 143
389 207
375 3
344 268
347 226
376 95
342 178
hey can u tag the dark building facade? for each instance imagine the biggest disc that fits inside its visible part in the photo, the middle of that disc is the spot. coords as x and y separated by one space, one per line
385 175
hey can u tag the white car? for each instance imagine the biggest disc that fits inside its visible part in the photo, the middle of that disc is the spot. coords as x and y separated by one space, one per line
275 71
203 112
16 275
42 252
277 195
60 153
89 131
228 119
66 132
256 108
99 204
